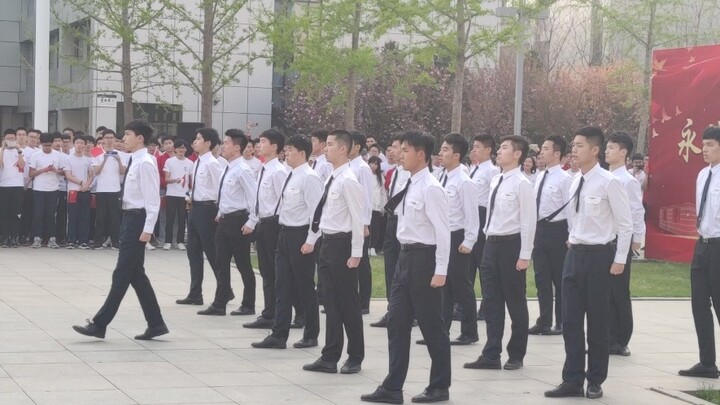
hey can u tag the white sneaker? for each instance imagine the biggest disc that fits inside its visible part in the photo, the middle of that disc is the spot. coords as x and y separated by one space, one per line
372 252
52 244
148 246
37 243
167 246
181 246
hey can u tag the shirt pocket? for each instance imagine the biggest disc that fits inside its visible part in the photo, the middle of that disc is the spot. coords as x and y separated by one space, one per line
715 197
593 205
507 202
293 195
333 199
414 208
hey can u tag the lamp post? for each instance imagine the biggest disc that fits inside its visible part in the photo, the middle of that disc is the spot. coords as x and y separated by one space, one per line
42 65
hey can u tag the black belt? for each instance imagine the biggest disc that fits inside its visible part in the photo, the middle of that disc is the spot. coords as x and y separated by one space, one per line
593 248
339 235
557 224
272 218
709 241
134 211
415 246
235 214
294 228
503 238
203 203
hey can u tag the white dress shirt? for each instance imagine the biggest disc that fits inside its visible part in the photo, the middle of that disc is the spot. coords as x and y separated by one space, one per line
514 210
634 191
555 193
255 164
208 171
238 188
365 177
322 167
710 225
343 210
400 177
462 194
300 198
604 212
268 192
10 174
482 178
142 188
423 217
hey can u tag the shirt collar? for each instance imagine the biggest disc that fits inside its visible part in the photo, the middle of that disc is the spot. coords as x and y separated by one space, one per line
550 170
486 163
620 170
301 167
592 171
340 169
715 169
454 171
205 156
273 162
512 172
419 175
139 153
234 162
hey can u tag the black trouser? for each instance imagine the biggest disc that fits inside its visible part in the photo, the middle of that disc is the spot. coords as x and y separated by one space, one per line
266 234
342 302
229 243
295 283
458 288
201 239
413 298
107 217
365 276
11 205
391 250
130 271
377 230
175 207
61 217
586 291
705 291
621 316
79 218
45 204
476 258
548 258
26 220
320 274
504 285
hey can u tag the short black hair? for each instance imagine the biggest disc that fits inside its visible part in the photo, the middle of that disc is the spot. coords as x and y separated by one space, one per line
179 143
342 137
238 138
559 144
209 135
593 134
711 132
376 146
167 137
37 131
320 134
487 141
69 129
46 137
141 127
519 143
109 131
9 131
80 138
396 137
91 139
275 137
458 143
419 140
358 138
57 135
154 141
100 128
302 143
65 137
624 140
638 156
22 129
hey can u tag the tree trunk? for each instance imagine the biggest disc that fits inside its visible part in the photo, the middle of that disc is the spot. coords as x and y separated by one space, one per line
647 74
596 34
459 82
207 94
126 75
352 74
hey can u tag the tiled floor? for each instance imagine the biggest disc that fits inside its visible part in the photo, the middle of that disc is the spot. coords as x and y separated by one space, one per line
208 360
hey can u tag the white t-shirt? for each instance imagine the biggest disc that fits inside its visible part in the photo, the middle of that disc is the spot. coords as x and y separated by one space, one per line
254 164
109 179
47 181
79 166
10 175
178 169
62 181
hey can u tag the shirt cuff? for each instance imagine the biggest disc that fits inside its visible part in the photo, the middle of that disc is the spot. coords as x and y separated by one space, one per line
149 228
441 271
250 223
620 258
356 253
525 255
312 237
468 245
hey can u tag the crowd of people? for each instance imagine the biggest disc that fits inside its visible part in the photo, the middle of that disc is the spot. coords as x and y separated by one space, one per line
317 207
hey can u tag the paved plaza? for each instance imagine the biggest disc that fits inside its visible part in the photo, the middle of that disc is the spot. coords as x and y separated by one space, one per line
208 360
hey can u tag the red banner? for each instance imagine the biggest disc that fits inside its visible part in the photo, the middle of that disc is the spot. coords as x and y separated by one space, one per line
685 85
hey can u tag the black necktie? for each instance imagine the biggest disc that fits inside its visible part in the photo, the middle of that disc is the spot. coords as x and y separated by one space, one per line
445 181
257 195
396 199
282 192
474 171
314 163
577 194
319 208
222 179
442 175
127 170
492 200
394 181
539 194
194 181
703 200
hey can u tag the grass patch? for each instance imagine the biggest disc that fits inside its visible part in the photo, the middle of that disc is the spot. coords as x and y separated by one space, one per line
707 392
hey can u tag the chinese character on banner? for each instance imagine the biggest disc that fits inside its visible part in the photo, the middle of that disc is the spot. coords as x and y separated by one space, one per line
687 145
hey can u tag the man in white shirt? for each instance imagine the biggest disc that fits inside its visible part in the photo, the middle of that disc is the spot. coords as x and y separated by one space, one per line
704 281
207 173
552 193
424 234
79 177
177 171
109 169
365 177
619 146
295 263
264 221
12 166
323 168
44 168
339 216
250 159
140 200
600 237
638 170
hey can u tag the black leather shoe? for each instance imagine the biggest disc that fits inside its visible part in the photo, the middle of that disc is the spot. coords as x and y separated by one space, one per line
189 301
618 350
297 324
270 342
305 343
381 395
432 395
382 323
539 330
421 342
153 332
513 364
260 323
566 390
594 391
700 370
464 340
483 363
351 367
321 366
90 330
211 310
557 330
243 311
